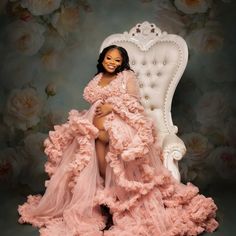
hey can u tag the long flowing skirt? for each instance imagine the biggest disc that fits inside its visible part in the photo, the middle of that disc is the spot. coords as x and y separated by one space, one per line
143 198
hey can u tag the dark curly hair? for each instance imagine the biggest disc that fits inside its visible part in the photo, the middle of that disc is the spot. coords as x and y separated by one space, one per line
125 59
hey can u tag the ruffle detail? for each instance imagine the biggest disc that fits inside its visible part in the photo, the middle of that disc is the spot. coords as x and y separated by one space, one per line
143 197
76 127
25 211
144 128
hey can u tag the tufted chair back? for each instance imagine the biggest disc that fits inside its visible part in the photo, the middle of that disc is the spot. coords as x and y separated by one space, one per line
159 60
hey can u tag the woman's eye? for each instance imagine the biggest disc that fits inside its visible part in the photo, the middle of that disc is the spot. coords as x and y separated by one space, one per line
117 60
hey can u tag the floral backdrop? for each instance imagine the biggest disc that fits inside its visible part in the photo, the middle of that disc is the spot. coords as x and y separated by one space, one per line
49 49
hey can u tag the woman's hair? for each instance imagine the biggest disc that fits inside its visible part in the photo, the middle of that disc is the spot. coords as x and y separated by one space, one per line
125 59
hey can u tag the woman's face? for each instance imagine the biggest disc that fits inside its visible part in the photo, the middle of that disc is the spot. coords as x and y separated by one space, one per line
112 60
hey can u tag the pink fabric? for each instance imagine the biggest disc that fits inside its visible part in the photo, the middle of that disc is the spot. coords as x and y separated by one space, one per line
142 195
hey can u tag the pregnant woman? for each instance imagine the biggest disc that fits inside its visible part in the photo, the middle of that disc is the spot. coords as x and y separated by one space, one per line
108 157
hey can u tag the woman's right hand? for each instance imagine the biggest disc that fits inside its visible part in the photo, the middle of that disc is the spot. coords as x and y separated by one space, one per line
103 109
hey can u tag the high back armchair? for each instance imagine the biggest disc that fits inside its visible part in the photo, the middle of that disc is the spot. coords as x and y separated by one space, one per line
159 60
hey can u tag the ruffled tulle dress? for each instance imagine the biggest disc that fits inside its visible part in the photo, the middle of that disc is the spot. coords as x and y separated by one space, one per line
143 198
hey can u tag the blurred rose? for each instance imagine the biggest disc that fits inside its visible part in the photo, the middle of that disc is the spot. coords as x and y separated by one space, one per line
15 9
211 108
25 15
52 118
53 41
192 6
41 7
207 39
26 37
199 175
193 165
197 146
33 145
188 173
169 20
23 108
12 161
224 160
215 133
67 20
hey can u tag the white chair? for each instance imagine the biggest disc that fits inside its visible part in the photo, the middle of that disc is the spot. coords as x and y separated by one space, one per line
159 60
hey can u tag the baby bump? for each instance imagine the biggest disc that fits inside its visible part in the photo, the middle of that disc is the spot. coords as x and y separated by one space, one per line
99 123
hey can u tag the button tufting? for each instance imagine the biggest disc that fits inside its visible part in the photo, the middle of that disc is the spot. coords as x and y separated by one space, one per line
148 74
164 62
141 85
144 62
154 62
158 73
153 85
133 62
152 108
146 97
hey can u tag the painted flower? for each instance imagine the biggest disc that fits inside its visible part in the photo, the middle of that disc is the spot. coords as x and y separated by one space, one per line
193 165
198 174
33 144
207 39
198 146
215 133
53 41
67 20
55 117
12 162
41 7
26 37
169 20
224 160
188 174
192 6
211 108
23 108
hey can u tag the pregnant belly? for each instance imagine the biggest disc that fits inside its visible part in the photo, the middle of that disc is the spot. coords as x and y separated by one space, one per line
99 122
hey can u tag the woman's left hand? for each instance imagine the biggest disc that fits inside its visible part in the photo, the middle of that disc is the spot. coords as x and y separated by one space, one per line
103 109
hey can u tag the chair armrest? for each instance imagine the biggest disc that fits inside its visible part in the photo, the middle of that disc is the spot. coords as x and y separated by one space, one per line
173 151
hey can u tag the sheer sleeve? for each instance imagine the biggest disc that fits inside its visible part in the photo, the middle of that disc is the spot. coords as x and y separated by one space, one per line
132 87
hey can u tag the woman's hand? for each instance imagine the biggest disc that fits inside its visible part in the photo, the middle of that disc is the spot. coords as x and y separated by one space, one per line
103 109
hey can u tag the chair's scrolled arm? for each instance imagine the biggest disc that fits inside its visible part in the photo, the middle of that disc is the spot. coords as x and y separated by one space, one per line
173 151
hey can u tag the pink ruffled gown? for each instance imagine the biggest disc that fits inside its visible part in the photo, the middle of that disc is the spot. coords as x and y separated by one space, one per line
143 197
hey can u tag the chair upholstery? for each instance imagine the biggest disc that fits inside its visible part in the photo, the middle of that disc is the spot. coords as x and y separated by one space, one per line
159 60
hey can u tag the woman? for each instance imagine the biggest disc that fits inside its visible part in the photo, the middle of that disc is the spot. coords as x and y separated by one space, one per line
108 156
